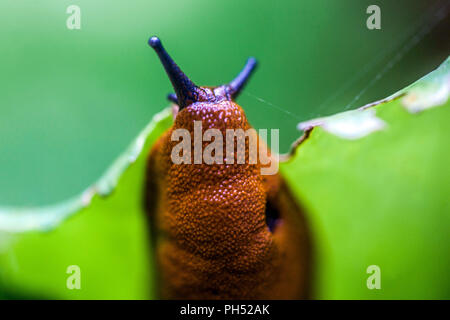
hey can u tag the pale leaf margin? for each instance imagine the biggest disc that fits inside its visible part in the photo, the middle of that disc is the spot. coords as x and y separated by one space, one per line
432 90
46 218
429 91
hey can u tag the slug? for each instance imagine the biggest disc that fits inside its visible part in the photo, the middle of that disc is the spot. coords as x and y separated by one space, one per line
221 231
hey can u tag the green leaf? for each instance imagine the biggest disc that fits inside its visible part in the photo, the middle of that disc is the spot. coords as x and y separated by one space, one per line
383 199
105 236
374 182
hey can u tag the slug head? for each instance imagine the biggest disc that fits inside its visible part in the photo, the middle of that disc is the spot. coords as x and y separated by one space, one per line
197 187
187 93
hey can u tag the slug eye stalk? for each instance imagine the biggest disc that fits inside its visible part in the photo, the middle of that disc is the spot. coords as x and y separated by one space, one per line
186 92
237 84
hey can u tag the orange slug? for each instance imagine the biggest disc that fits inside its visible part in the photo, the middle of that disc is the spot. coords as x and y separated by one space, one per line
221 231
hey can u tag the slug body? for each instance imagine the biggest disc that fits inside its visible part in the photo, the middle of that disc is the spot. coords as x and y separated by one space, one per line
221 231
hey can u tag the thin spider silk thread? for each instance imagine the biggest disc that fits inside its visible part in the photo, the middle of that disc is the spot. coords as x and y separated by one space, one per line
403 51
273 105
414 39
393 48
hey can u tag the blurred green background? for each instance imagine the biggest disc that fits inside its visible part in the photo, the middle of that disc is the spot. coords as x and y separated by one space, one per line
72 100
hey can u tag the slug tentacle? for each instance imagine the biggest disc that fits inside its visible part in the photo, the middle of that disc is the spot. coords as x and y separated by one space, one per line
238 83
172 97
186 91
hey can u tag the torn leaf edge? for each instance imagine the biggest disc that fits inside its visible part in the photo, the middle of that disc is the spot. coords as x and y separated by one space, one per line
439 76
46 218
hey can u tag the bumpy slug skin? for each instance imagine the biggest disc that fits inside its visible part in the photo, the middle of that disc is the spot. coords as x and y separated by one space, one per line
209 221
